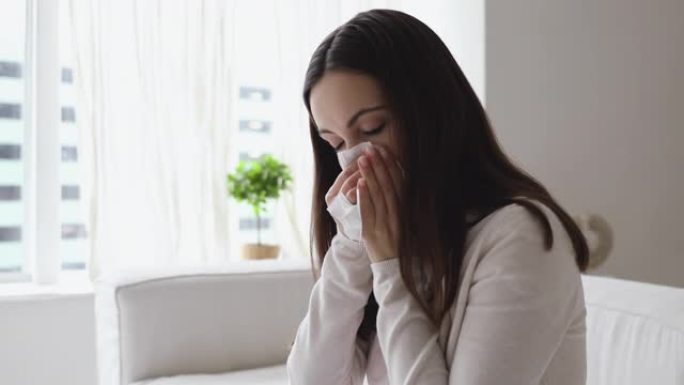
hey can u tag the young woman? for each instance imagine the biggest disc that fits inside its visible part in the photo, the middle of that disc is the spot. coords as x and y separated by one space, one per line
438 261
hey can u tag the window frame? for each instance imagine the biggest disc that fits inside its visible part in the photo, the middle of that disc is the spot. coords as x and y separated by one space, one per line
41 147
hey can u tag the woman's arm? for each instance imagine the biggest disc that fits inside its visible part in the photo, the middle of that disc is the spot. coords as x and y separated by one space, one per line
518 310
325 350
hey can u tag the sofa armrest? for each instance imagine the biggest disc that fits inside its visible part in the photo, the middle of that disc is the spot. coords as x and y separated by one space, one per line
198 320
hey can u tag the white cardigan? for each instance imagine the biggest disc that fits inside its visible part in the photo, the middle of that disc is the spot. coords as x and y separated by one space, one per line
519 317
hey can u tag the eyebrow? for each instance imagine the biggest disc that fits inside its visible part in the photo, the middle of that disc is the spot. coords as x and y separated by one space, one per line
354 118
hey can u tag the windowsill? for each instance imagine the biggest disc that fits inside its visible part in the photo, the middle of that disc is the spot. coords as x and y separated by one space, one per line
71 284
74 284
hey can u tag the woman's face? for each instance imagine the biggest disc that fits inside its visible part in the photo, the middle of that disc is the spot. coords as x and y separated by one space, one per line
349 108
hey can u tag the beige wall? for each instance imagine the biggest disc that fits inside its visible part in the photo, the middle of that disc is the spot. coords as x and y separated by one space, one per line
48 340
461 25
589 97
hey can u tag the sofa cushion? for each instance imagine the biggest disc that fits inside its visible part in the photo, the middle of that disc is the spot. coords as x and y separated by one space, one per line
635 332
271 375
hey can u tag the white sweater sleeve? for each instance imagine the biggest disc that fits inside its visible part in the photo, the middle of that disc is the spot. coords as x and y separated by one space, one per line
517 313
326 350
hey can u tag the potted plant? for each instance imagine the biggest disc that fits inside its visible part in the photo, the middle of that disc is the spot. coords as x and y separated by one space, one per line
255 182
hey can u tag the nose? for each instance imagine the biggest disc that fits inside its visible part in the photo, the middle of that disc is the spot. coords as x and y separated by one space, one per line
353 142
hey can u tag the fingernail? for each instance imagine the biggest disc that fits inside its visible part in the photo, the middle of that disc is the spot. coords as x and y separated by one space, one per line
363 161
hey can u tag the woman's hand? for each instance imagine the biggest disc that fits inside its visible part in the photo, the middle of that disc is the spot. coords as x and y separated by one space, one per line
344 186
379 197
346 183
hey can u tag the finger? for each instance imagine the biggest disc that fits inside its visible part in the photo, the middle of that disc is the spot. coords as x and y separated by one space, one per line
375 191
366 208
384 179
350 184
334 189
351 195
395 172
337 184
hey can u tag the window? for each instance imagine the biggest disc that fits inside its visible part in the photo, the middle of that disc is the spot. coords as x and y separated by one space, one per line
39 162
255 123
73 247
12 166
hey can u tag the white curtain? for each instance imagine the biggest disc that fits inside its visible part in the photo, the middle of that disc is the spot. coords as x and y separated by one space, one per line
156 95
153 89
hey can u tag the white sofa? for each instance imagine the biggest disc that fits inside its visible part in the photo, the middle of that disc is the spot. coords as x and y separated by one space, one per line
235 326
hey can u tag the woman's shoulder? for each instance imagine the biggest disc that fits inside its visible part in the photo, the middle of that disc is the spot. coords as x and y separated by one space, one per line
514 216
514 236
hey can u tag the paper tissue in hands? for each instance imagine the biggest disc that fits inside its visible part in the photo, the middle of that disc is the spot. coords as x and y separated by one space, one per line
347 214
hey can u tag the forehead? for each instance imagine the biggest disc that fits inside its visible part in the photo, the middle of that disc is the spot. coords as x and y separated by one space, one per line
340 94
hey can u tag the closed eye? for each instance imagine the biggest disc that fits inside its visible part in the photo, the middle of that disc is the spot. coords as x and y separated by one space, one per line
375 130
372 132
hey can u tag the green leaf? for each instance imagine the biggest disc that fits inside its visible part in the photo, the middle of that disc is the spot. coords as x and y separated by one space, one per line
257 181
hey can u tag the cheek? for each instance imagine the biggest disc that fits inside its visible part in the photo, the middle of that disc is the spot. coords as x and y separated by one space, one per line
391 141
388 140
385 140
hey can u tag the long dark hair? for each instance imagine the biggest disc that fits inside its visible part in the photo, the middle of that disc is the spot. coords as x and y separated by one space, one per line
453 162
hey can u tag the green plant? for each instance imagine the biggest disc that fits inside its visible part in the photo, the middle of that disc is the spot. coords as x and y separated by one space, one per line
257 181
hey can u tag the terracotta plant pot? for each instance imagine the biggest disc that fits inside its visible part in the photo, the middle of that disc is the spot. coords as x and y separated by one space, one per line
256 251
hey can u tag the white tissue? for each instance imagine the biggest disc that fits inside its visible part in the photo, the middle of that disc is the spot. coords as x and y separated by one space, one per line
347 214
346 157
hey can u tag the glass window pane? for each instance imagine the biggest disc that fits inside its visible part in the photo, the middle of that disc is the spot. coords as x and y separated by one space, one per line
73 247
255 80
12 90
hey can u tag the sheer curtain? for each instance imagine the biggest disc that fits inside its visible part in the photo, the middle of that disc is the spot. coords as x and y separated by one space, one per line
153 88
156 90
